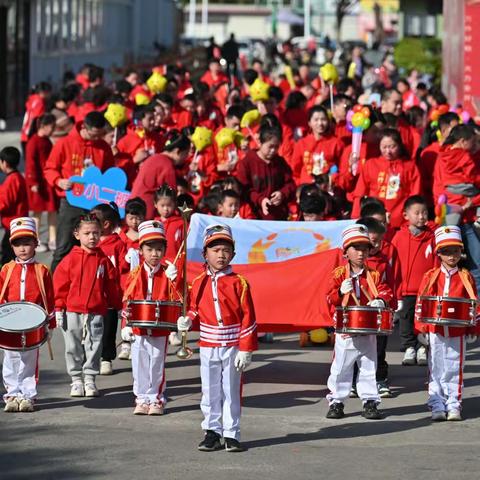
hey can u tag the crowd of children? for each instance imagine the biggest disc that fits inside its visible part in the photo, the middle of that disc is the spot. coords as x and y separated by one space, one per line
275 150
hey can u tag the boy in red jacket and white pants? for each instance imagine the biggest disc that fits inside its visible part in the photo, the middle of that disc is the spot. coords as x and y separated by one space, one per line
149 281
24 280
86 286
221 306
447 344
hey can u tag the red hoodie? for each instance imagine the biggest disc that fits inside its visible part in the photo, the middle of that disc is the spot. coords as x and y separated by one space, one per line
426 167
415 257
174 234
13 198
392 181
86 282
72 154
115 249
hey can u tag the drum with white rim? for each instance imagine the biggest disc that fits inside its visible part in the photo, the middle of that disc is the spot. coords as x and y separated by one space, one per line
23 326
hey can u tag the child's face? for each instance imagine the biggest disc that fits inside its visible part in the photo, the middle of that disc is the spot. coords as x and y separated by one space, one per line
357 254
269 149
319 123
416 215
229 208
3 166
312 217
133 221
24 248
233 123
153 252
219 256
148 121
165 206
376 241
88 234
450 256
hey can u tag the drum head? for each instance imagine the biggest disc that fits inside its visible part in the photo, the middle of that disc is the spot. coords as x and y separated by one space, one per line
21 316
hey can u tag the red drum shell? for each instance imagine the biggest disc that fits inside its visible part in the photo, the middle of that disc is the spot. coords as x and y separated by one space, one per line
364 320
162 316
448 311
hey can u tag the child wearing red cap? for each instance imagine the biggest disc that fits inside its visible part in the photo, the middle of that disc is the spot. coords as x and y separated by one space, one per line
447 344
149 281
221 307
352 284
24 280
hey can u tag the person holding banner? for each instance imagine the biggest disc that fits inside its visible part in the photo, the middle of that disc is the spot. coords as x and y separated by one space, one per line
24 280
355 284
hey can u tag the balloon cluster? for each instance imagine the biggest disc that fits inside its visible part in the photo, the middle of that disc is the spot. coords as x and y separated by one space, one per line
436 113
443 209
358 118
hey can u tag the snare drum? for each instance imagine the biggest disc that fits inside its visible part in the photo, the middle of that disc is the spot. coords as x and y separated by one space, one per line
448 311
364 320
23 326
153 314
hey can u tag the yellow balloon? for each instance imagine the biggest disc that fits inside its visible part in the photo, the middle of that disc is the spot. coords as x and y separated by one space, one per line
329 73
357 119
116 114
202 138
250 118
141 99
225 137
259 91
157 83
319 335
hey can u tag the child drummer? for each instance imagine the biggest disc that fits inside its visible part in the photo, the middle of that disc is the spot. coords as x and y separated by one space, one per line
447 344
23 279
355 284
149 281
221 305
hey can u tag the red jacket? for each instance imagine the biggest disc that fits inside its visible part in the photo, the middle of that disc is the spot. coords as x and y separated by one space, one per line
436 277
115 249
86 282
392 181
415 257
261 179
408 136
69 155
174 233
343 133
426 167
315 157
207 78
13 198
153 173
236 325
388 275
32 290
34 108
136 288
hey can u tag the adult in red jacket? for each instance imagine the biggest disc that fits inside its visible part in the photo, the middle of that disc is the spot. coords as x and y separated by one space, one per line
267 178
160 169
392 178
319 151
81 148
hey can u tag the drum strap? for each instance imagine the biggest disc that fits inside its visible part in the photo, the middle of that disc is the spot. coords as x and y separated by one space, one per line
347 296
9 270
432 280
133 283
467 284
41 285
371 284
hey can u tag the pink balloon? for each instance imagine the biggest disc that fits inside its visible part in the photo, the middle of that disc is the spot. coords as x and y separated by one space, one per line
465 116
442 199
350 115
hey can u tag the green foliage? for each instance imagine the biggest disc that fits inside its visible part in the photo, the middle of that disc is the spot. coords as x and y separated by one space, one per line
423 54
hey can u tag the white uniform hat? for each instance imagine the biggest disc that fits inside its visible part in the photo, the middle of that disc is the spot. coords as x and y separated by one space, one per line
151 230
354 235
23 227
448 236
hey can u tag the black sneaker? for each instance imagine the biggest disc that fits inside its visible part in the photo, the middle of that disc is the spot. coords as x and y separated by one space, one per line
232 445
383 389
335 411
370 411
211 442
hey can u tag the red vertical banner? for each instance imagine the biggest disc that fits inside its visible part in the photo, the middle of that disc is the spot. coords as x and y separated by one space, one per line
471 78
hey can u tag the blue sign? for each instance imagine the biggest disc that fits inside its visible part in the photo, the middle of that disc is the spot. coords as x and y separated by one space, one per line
95 187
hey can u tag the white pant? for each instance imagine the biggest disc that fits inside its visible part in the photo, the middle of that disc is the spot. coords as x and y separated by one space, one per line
148 368
221 391
361 349
20 374
445 361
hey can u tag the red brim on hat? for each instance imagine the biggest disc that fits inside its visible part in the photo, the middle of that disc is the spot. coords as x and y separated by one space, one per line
357 241
23 234
215 238
449 243
152 237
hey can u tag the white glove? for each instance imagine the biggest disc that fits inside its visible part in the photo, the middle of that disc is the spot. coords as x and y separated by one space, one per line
347 286
59 318
242 360
423 339
377 302
399 305
471 338
127 334
171 271
133 258
184 324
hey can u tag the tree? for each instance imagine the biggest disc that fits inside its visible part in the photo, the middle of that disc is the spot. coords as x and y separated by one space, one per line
342 7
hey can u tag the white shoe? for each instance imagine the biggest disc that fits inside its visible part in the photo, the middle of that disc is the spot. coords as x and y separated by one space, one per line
106 368
124 351
454 416
175 339
410 357
91 390
439 416
41 248
26 405
77 390
422 358
11 405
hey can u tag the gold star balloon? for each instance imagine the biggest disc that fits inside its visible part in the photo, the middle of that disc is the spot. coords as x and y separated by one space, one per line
116 114
202 138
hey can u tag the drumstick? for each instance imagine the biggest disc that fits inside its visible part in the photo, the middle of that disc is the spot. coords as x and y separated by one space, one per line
50 350
180 251
355 298
365 292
